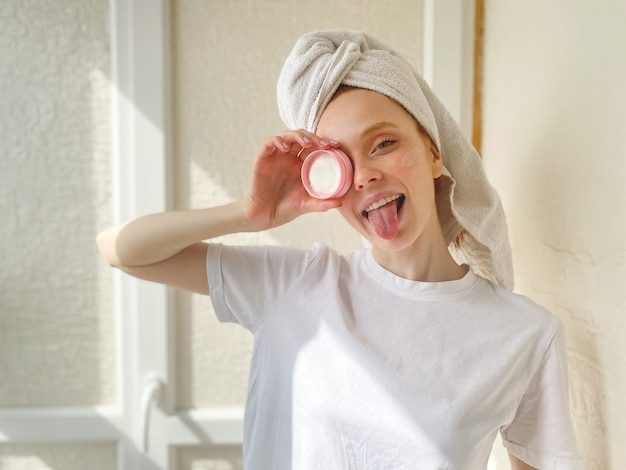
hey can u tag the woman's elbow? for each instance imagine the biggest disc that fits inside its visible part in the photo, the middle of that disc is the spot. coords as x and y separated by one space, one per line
106 245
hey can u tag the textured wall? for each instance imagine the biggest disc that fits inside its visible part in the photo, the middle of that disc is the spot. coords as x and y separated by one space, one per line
56 329
58 457
555 144
226 59
209 458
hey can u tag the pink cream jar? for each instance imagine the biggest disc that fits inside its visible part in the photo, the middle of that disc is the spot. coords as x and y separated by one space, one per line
327 174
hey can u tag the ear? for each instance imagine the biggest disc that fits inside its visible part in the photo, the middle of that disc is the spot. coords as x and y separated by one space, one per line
437 161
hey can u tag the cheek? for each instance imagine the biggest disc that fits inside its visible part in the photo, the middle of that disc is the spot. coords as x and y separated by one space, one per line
421 185
346 211
411 158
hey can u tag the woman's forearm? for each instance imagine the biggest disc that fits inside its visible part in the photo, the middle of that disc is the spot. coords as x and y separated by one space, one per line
156 237
276 197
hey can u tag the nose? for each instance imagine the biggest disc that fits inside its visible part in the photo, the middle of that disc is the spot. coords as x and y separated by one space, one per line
364 175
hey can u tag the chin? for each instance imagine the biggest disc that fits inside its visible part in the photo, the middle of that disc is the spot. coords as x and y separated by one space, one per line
393 244
404 240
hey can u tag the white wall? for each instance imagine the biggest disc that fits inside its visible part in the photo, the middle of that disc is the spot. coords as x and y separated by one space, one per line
58 457
55 186
57 330
554 144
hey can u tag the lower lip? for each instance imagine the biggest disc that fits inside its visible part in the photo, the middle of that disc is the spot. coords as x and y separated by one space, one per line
327 174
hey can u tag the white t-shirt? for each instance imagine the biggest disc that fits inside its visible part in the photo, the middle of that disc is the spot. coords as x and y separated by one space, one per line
357 368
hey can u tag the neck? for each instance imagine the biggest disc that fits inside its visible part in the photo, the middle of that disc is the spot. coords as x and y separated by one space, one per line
432 263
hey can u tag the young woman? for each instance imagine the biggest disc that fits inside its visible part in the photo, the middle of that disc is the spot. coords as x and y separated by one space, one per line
396 356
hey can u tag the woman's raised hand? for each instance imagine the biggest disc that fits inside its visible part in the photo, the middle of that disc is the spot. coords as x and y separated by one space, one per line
277 195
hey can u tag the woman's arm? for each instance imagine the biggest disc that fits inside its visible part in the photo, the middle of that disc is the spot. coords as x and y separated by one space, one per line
517 464
168 247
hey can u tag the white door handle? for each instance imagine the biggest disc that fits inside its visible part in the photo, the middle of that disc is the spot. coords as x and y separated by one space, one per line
151 392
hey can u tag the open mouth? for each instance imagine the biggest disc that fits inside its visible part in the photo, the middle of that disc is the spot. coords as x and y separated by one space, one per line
383 202
384 216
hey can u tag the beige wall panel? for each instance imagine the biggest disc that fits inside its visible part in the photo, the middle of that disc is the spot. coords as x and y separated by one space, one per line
58 457
209 458
554 145
226 59
56 323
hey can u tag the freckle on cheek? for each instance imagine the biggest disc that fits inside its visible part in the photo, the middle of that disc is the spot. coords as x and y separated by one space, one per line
410 159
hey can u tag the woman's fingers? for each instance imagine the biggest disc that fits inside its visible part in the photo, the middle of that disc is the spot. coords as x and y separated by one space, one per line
297 140
303 142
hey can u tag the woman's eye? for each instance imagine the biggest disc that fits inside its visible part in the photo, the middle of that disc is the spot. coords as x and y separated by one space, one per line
385 143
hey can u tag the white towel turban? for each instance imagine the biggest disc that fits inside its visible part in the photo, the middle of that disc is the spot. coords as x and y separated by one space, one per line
321 61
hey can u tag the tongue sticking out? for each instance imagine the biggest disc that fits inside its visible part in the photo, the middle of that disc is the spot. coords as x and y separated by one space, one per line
385 220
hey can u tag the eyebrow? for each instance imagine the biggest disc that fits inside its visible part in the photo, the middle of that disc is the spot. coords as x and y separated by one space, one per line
378 126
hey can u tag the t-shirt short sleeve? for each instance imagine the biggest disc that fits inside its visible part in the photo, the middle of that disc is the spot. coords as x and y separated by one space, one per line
541 433
263 275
